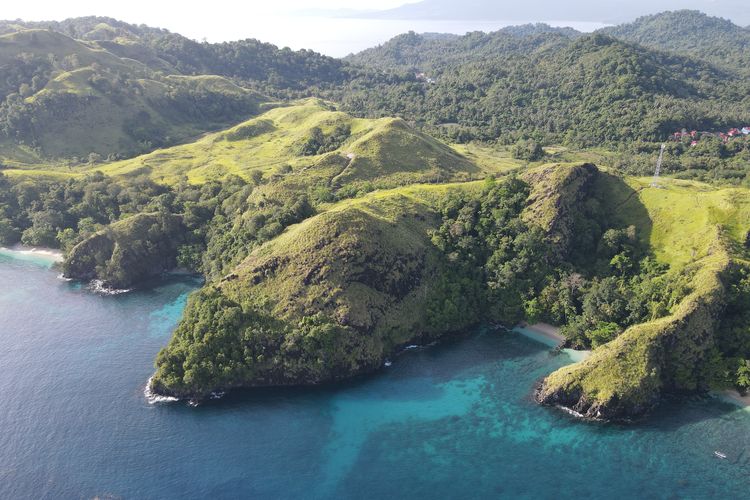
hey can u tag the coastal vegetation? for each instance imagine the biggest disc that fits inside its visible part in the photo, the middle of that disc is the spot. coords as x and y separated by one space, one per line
455 181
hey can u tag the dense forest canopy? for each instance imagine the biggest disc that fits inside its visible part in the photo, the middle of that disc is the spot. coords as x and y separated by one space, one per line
559 85
552 84
693 34
433 183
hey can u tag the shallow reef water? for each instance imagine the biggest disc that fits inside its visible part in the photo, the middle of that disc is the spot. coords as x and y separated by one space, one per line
455 420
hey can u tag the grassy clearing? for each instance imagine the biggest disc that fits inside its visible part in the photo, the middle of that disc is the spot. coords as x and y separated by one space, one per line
384 151
98 102
687 225
681 220
38 174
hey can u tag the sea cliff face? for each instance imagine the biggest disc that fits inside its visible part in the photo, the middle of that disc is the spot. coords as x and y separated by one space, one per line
628 376
329 299
336 295
128 251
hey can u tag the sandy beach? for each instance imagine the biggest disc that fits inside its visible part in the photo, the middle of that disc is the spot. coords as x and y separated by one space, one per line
550 335
546 330
34 252
735 397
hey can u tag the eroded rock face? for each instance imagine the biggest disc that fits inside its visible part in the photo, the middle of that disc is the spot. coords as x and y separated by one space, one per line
575 400
556 199
128 251
327 300
627 377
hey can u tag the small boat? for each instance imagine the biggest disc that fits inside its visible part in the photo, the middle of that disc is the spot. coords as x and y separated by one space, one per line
720 455
388 363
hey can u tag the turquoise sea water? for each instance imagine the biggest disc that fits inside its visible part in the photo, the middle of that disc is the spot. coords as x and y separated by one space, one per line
451 421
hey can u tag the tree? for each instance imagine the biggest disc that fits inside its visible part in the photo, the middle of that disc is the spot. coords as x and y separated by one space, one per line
527 150
743 375
603 333
8 233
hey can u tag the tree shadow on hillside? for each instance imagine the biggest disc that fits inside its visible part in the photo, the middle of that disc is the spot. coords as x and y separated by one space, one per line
623 206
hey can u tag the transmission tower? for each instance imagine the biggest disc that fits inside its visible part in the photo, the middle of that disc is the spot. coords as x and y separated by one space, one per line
655 182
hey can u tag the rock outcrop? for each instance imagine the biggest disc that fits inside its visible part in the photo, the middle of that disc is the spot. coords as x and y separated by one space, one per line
329 299
625 378
128 251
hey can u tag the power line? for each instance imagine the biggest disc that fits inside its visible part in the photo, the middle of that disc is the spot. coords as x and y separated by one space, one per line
655 182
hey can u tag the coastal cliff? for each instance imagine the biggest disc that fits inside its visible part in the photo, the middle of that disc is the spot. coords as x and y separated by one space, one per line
128 251
628 376
329 299
338 294
702 342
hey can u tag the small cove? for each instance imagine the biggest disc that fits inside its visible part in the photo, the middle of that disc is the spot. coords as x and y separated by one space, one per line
451 421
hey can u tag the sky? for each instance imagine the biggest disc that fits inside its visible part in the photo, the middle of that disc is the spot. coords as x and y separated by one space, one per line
183 12
281 22
290 23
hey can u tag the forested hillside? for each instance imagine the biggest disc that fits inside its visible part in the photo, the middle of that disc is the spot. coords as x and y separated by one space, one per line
63 98
89 89
406 199
584 90
122 89
693 34
250 60
431 53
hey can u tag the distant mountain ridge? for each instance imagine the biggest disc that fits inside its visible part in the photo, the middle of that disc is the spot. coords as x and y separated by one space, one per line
686 32
614 11
162 50
97 87
92 88
420 52
553 83
691 33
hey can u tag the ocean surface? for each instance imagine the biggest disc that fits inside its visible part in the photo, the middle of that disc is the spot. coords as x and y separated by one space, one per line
339 37
451 421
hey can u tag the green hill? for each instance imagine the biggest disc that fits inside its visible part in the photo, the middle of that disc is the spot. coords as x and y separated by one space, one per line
580 90
129 251
65 98
431 54
333 235
256 63
346 152
101 86
695 228
336 295
300 305
691 33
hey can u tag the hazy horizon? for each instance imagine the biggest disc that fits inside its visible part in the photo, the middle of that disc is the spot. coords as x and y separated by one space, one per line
332 27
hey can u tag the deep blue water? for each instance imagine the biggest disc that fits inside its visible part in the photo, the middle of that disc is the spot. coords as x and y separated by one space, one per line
452 421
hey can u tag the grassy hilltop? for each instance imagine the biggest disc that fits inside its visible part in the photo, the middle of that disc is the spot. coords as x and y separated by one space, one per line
66 98
290 156
325 251
332 235
347 150
691 227
337 294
